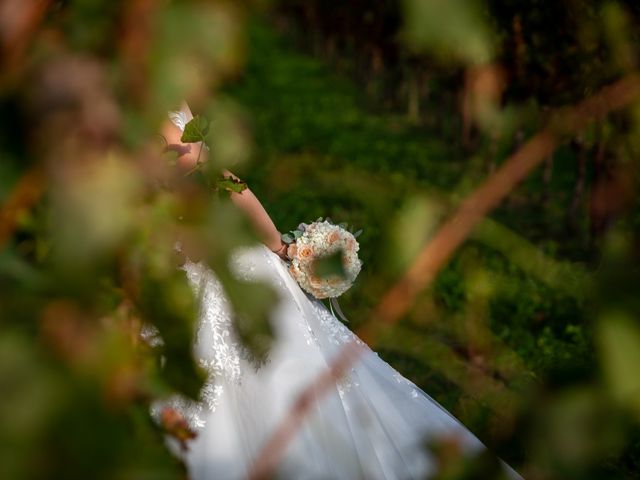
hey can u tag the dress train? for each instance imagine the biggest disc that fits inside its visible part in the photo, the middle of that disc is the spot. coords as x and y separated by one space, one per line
374 424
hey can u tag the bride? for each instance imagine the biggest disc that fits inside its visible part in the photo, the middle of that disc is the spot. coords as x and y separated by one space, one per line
372 424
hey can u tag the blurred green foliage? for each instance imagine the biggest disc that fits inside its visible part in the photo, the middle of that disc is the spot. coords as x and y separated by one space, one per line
383 114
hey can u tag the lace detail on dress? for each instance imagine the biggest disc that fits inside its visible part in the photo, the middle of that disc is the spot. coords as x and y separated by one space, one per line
194 412
347 382
150 335
219 352
402 380
335 331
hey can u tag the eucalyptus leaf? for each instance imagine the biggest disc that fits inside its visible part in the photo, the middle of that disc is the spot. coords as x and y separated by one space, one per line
286 238
358 233
297 234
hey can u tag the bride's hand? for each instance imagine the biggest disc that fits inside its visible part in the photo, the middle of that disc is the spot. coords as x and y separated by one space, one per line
282 251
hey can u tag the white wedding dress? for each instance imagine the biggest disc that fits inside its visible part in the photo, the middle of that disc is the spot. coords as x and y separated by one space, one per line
374 424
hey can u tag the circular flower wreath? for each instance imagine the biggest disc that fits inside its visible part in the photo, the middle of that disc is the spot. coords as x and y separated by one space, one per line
310 245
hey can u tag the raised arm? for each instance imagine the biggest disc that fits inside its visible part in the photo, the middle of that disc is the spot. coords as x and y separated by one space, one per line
246 201
251 206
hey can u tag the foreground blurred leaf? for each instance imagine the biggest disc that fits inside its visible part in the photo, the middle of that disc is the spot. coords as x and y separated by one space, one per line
198 44
619 341
569 278
415 222
229 142
329 266
31 393
449 29
93 210
163 295
251 303
168 302
575 430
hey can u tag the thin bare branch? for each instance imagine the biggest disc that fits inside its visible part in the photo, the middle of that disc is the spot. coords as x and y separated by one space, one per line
19 20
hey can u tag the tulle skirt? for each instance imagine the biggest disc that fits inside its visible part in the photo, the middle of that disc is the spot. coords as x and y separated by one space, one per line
373 424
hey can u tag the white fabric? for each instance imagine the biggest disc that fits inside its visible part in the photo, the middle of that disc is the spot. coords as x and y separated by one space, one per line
372 425
180 118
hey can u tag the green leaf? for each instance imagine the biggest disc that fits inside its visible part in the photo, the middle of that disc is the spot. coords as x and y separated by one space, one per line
196 130
230 185
358 233
297 234
286 238
619 341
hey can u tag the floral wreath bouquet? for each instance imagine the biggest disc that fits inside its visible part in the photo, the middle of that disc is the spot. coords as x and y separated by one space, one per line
324 259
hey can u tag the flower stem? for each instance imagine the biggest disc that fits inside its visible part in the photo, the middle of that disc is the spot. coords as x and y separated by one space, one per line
198 164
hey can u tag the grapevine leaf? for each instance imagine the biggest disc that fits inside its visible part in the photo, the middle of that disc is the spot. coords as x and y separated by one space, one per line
195 130
230 184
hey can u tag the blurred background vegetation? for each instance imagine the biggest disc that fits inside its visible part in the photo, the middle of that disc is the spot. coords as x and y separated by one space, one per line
384 114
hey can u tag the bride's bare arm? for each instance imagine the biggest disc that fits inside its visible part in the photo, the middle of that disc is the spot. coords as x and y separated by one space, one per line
246 201
251 206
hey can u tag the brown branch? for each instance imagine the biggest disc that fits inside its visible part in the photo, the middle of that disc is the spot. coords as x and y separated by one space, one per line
19 20
435 253
135 44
